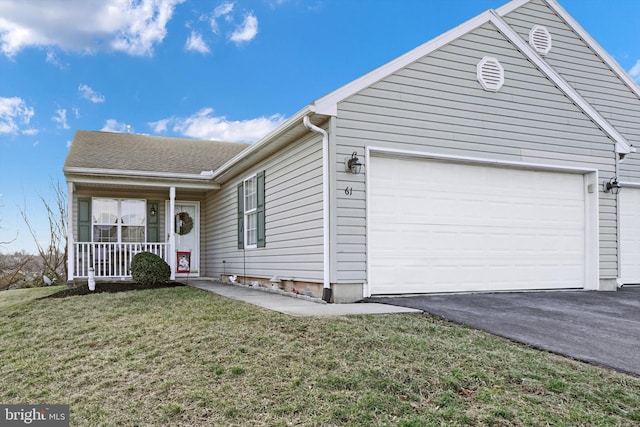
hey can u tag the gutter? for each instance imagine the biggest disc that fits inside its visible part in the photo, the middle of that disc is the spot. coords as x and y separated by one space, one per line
326 288
258 145
202 176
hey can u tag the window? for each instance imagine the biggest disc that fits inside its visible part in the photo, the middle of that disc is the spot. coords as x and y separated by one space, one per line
118 220
251 212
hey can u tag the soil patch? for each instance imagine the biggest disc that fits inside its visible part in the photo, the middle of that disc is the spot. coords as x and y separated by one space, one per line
112 287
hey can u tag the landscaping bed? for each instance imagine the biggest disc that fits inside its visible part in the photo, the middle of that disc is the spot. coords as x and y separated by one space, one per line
112 287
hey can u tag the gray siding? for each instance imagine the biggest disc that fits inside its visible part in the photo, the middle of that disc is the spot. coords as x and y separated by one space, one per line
572 58
436 105
293 212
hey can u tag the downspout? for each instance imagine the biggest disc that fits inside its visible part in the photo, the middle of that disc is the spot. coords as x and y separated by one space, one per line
326 250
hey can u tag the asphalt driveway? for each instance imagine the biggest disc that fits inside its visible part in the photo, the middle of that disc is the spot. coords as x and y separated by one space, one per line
602 328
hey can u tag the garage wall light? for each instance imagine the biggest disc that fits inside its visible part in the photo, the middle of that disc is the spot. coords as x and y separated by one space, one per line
353 164
612 186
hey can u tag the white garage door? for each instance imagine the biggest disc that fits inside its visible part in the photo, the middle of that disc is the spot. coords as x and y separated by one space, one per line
630 235
446 227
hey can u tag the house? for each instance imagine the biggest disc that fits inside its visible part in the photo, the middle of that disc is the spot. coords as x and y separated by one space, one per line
488 159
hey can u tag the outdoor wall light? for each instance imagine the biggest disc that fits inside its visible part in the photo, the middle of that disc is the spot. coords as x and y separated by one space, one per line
353 164
612 186
153 211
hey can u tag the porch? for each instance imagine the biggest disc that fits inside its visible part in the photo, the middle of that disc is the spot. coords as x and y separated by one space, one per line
111 260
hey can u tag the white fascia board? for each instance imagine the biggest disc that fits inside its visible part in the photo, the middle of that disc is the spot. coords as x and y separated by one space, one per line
296 119
328 104
622 145
129 181
590 41
203 176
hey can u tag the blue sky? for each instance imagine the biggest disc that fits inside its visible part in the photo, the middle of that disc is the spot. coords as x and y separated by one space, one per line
224 70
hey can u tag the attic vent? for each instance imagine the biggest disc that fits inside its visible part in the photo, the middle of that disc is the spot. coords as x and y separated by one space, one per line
490 74
540 39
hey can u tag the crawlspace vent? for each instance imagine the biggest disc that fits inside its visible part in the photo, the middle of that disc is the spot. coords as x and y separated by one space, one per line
540 39
490 74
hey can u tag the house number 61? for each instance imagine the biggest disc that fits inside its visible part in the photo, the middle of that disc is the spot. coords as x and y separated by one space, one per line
348 191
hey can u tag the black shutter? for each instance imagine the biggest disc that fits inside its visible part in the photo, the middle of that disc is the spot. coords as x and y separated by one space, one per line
153 231
241 216
261 242
84 220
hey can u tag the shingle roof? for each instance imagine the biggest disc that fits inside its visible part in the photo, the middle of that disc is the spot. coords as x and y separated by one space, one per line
129 152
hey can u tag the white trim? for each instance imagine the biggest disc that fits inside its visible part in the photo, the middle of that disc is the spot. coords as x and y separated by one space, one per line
136 182
622 146
172 232
195 254
150 174
590 41
256 146
328 103
246 212
71 225
479 160
629 184
326 208
592 227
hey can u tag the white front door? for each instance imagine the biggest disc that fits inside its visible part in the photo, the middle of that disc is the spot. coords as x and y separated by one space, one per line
187 226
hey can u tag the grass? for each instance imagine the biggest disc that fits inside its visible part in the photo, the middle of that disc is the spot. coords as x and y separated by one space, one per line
181 356
18 296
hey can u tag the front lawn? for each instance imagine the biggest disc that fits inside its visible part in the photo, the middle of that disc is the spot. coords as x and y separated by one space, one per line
182 356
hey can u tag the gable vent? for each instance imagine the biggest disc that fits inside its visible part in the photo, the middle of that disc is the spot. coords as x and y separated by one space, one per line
490 74
540 39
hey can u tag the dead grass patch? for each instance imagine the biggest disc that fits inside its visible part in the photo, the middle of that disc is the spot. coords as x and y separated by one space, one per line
181 356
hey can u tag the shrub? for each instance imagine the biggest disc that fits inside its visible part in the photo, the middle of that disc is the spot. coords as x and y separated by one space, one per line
149 269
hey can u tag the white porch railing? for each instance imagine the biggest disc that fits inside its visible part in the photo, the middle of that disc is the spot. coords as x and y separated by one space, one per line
111 259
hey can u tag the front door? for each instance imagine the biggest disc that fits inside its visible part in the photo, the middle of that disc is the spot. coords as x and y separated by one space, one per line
187 226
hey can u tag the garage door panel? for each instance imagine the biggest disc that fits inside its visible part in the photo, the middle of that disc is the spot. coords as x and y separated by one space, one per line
630 235
483 228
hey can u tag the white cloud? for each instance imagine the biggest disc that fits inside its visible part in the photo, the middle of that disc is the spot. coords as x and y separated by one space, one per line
112 125
61 118
131 26
223 10
14 113
53 59
204 125
160 126
196 43
76 112
30 132
635 71
87 93
247 31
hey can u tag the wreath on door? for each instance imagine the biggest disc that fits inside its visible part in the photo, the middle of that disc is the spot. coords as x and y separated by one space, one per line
184 223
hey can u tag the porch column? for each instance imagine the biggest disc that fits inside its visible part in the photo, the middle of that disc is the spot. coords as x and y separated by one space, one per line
71 252
172 231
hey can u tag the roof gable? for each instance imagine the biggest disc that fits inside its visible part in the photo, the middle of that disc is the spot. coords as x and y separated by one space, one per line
584 35
328 105
138 155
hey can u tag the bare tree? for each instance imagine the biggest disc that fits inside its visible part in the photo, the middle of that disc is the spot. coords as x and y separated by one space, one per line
53 255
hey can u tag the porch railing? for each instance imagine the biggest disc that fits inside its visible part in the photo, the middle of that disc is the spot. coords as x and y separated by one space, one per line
111 259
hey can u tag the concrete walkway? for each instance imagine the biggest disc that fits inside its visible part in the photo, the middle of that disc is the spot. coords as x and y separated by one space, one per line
293 305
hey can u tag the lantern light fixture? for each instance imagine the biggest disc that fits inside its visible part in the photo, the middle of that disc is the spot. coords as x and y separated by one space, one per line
353 164
612 186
